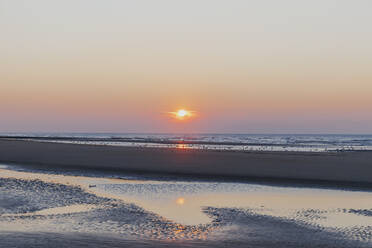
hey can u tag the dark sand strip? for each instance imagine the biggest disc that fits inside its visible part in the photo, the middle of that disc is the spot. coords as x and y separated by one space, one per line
341 167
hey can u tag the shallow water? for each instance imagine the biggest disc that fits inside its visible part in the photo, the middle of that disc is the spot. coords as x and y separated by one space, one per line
248 142
183 202
192 210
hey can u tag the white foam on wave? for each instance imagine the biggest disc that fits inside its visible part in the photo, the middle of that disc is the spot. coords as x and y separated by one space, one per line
245 142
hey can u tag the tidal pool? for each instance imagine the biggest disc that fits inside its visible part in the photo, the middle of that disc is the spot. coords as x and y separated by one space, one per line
188 204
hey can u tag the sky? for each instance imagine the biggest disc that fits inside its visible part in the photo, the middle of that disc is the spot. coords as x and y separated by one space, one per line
286 66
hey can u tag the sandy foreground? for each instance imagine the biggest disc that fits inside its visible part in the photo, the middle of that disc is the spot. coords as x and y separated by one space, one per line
337 167
40 208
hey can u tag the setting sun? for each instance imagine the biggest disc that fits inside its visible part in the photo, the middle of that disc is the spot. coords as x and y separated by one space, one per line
182 114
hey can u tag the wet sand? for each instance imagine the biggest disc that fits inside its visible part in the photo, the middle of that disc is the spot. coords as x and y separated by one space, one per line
351 167
31 216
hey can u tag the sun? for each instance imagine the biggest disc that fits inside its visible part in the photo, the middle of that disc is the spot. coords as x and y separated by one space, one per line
182 114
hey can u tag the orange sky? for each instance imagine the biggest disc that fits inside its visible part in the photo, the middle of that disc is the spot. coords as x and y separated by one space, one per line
244 67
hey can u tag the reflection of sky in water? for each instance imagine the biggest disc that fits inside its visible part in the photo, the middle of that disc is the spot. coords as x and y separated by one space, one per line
183 202
345 212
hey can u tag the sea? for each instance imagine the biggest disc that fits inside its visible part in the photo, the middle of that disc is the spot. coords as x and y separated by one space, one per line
246 142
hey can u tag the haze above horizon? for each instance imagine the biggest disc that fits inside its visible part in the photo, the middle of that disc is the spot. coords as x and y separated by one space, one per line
243 66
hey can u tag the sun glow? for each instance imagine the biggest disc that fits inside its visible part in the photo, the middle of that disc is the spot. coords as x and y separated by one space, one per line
182 114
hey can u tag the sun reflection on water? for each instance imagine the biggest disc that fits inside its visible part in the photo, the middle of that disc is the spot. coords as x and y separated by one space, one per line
183 146
182 205
180 201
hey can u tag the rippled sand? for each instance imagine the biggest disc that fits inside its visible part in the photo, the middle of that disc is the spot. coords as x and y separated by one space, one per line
190 213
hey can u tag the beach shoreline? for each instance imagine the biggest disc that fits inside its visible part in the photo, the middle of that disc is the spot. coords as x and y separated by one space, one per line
93 207
343 168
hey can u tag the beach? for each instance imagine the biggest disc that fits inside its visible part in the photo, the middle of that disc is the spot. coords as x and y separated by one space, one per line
347 168
40 208
73 195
